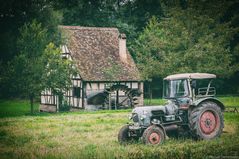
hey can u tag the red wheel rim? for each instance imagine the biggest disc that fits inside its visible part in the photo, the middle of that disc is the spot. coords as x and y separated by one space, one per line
208 122
154 138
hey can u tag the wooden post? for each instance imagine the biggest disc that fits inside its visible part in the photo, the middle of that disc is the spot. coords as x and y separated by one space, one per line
117 99
31 103
150 93
109 101
57 103
83 94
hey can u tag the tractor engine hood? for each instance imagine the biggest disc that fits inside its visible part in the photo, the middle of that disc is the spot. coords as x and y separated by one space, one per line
148 109
142 115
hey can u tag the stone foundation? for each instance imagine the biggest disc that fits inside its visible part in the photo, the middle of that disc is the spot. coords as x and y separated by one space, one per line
48 108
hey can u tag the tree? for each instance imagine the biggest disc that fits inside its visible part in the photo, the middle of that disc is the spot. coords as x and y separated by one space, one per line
137 12
39 64
14 15
185 41
28 65
58 72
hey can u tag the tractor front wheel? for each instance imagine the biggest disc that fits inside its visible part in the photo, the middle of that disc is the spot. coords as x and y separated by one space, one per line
124 135
153 135
206 121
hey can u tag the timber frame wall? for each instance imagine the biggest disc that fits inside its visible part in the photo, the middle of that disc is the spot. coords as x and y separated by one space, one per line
85 88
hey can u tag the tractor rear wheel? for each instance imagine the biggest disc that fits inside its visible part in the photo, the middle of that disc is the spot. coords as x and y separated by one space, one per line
153 135
206 121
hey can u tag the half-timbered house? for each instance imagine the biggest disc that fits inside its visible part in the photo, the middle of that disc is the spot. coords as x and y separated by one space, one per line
108 77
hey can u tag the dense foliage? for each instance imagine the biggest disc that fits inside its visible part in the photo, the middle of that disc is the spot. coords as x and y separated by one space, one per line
38 65
164 37
182 43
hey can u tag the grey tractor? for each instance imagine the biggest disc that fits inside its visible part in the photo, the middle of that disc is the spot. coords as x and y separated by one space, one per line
191 110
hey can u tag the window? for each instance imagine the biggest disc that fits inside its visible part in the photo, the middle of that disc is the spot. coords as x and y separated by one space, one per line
175 88
76 92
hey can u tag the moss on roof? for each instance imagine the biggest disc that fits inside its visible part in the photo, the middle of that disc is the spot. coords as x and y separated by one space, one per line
96 54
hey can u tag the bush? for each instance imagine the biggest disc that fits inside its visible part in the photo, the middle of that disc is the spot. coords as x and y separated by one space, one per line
64 106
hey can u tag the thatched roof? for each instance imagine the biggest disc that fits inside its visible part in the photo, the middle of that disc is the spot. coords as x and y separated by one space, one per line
96 54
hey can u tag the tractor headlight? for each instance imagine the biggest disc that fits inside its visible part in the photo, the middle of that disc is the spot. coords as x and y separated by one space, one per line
135 117
143 117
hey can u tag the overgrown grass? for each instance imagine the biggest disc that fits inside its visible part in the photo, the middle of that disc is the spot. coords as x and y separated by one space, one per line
94 135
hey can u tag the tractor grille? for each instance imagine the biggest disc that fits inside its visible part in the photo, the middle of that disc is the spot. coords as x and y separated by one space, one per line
135 117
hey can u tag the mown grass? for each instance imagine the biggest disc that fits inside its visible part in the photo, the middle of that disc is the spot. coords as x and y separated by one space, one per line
11 108
94 135
154 101
227 101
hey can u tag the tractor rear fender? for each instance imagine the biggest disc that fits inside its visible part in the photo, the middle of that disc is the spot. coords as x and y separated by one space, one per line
215 100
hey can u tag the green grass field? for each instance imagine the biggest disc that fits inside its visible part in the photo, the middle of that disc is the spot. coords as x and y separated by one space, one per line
227 101
94 135
11 108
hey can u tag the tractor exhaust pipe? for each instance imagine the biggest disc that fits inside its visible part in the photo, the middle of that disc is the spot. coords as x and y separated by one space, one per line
171 127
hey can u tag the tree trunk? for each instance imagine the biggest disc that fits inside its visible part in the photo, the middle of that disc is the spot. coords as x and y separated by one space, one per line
109 101
150 93
31 102
60 100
